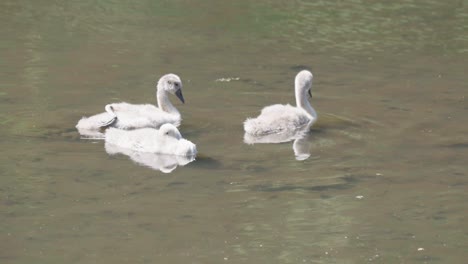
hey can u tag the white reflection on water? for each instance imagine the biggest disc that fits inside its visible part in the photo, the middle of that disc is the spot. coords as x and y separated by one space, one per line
301 147
161 162
90 134
301 144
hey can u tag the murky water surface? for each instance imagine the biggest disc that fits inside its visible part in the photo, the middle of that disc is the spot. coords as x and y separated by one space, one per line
386 180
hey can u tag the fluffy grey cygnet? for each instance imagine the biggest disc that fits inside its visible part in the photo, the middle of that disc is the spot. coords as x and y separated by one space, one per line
130 116
166 140
279 118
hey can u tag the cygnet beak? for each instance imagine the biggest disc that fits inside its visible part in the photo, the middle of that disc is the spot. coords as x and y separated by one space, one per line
310 93
180 96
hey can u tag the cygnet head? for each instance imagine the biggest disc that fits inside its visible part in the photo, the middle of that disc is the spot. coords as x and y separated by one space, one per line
303 82
171 83
170 130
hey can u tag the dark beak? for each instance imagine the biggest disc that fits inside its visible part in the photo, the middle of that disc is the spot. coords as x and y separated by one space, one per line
310 93
180 96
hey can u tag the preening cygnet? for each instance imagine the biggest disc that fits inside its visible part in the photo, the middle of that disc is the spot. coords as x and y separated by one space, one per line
279 118
130 116
166 140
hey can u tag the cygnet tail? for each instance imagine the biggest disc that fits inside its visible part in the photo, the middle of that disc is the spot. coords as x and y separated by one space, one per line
86 124
249 126
96 122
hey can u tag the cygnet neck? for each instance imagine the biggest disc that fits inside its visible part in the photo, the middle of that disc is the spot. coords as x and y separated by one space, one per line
302 98
164 103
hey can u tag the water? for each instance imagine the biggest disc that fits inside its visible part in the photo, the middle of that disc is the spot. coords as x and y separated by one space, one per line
386 180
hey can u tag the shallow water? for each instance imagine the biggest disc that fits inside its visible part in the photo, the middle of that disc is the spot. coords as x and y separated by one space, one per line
386 180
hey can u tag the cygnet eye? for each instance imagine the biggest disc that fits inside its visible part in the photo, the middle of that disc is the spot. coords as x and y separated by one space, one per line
169 82
176 84
167 133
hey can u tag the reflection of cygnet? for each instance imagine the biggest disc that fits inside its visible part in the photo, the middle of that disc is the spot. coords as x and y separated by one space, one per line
280 118
90 133
162 162
166 140
301 145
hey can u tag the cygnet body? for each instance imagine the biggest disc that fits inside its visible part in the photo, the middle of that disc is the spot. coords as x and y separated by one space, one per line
130 116
166 140
279 118
280 137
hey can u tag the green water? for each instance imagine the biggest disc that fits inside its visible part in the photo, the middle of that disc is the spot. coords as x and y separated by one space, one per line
386 181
